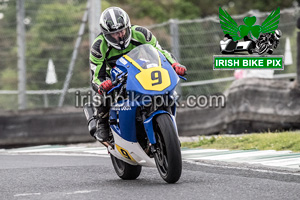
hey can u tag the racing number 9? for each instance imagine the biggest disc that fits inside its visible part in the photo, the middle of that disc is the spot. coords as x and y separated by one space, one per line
125 154
156 76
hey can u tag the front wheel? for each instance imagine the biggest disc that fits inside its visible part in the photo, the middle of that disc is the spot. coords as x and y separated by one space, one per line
124 170
168 155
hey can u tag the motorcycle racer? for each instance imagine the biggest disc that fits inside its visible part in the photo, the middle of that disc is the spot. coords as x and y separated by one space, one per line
267 42
116 39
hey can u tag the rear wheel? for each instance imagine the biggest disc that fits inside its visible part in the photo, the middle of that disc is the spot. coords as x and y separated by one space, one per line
168 155
124 170
262 49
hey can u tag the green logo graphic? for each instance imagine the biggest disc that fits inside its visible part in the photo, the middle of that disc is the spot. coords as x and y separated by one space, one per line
230 27
252 39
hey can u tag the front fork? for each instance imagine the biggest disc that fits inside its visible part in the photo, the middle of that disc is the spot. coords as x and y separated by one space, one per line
148 124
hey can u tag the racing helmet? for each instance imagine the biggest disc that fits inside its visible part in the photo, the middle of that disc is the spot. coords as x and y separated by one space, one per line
116 27
277 34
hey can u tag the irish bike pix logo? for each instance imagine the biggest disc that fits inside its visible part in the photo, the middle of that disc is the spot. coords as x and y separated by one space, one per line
249 46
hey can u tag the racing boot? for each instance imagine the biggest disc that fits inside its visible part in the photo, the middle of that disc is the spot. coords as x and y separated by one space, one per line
89 112
102 132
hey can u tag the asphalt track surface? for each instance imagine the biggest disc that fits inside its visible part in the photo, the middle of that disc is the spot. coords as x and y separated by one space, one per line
92 177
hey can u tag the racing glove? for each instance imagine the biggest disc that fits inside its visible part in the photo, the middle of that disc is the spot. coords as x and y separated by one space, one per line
105 87
179 69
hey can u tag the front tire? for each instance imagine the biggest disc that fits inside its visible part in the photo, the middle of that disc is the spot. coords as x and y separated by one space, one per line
168 155
124 170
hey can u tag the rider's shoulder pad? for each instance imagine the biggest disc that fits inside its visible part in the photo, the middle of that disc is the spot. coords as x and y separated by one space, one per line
96 50
146 33
99 47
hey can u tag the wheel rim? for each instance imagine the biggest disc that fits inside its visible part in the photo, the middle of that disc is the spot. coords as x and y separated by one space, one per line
161 156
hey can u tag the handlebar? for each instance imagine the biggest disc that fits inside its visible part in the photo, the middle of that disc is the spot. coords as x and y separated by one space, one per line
118 82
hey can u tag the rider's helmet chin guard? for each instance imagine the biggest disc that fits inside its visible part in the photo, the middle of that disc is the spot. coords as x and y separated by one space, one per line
113 20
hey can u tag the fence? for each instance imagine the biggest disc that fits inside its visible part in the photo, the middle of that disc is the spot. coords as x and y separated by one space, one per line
52 28
51 32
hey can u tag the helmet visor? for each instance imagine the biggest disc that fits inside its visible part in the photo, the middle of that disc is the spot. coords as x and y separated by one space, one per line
118 37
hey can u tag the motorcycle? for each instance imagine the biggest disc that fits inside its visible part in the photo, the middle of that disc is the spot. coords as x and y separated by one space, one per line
143 130
267 42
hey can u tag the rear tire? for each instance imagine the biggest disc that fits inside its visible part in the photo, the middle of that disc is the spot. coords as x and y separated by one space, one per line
124 170
262 49
168 155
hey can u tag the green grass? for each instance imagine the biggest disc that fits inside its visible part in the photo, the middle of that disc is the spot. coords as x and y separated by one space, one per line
262 141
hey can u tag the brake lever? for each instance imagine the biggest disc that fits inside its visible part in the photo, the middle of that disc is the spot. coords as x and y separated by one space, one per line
117 81
182 77
116 87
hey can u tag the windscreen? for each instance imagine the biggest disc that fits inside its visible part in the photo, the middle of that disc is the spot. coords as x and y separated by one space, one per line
145 55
